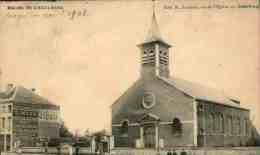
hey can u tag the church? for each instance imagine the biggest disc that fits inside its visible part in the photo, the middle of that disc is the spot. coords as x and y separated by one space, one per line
159 111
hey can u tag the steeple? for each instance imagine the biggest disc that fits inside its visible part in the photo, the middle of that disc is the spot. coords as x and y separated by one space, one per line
154 52
154 31
154 34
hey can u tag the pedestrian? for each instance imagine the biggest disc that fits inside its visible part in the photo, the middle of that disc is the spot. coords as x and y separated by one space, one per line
183 152
58 149
174 152
77 150
169 153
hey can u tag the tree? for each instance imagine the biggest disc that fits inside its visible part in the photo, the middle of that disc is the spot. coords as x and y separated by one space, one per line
87 133
64 131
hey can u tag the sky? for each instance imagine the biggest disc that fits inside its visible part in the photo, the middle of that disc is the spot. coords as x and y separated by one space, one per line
84 64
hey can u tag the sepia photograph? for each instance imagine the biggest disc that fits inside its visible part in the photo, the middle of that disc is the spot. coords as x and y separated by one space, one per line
148 77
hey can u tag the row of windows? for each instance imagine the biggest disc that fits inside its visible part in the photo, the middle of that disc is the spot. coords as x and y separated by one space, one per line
26 122
217 123
152 53
48 115
151 58
25 119
26 132
25 113
21 126
44 115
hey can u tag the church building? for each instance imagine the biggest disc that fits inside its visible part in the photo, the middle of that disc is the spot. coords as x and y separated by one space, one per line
159 111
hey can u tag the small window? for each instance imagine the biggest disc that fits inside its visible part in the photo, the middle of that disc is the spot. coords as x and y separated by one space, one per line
176 127
229 118
211 123
245 127
216 122
238 126
221 123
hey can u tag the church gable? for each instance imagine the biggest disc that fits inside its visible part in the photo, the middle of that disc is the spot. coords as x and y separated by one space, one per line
137 102
126 103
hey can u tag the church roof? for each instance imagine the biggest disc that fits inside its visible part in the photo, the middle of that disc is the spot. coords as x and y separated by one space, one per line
19 94
201 92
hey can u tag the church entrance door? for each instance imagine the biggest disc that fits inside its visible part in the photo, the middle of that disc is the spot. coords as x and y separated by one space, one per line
149 136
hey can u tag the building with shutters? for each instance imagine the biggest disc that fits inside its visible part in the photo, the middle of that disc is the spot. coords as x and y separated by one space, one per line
160 111
25 118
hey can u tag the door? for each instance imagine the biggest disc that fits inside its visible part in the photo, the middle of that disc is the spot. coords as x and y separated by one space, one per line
149 137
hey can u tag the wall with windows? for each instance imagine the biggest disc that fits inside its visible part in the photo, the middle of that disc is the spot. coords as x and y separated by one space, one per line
170 103
49 124
220 125
25 123
31 121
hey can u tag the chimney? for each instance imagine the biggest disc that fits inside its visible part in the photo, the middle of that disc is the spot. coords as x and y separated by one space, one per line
9 87
1 80
33 90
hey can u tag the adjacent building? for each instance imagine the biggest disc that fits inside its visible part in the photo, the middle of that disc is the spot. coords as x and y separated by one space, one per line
26 118
159 111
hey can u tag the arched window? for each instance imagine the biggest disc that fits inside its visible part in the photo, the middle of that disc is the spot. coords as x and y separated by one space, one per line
221 123
229 120
124 128
211 123
245 127
176 127
216 122
239 126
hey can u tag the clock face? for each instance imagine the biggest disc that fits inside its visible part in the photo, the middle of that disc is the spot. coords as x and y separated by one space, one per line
148 100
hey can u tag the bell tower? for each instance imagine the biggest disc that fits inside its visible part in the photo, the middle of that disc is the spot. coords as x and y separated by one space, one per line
154 52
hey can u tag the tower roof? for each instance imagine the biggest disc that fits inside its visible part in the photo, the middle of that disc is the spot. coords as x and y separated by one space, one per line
154 31
154 34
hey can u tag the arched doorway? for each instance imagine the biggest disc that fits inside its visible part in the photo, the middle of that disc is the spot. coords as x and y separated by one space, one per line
149 136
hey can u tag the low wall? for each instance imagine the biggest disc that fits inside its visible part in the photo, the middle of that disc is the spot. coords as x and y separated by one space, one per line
199 151
50 150
130 151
